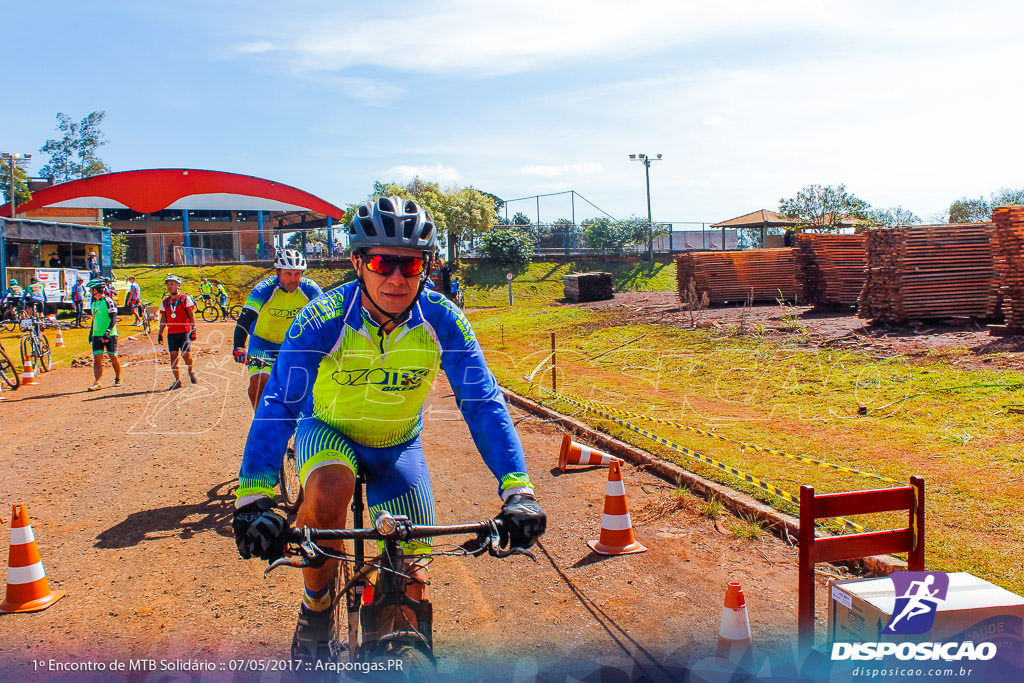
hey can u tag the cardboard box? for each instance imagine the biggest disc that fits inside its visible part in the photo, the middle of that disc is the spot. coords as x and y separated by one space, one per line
974 609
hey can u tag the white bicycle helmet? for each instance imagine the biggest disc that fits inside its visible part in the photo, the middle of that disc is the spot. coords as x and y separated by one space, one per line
392 222
172 278
289 259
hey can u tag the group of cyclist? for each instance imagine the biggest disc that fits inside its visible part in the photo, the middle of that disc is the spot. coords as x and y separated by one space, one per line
345 373
25 300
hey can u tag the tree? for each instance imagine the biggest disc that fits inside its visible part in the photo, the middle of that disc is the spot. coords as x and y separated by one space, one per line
20 182
823 209
968 210
614 236
508 245
74 154
470 214
295 241
521 219
892 217
1007 197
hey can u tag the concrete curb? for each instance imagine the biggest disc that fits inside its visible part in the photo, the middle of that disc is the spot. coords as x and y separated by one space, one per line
782 525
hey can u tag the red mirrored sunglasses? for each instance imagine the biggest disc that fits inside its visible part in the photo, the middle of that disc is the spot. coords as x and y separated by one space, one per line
385 264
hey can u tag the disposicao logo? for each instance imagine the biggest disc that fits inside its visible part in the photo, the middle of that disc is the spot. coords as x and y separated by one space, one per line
918 595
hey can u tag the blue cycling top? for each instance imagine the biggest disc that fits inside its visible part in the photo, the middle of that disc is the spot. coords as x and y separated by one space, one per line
336 368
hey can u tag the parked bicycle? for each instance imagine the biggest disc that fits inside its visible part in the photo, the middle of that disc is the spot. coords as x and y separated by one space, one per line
10 316
145 316
370 623
35 345
8 373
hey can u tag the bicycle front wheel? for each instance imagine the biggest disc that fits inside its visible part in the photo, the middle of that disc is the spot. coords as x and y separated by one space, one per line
344 636
146 329
26 351
210 314
291 489
235 311
44 354
8 374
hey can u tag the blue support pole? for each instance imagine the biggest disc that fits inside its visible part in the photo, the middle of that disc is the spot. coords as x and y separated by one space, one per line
259 222
184 227
330 237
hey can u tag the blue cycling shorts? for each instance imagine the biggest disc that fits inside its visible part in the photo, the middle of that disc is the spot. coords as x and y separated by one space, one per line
396 477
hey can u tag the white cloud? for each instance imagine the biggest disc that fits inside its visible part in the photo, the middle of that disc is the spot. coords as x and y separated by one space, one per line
438 173
254 48
515 36
715 121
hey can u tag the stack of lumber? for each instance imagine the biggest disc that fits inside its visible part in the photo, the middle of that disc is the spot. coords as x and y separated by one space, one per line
930 271
588 286
832 268
1009 239
735 276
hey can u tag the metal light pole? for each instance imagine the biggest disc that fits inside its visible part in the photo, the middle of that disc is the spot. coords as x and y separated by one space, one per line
11 159
646 160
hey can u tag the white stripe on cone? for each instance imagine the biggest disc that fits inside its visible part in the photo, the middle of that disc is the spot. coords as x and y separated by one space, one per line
22 535
615 488
28 574
734 624
616 522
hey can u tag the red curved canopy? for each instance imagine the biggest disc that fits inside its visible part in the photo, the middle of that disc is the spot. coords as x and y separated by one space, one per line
151 190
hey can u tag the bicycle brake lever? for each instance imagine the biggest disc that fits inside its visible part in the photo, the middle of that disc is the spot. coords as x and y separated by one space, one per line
498 552
294 561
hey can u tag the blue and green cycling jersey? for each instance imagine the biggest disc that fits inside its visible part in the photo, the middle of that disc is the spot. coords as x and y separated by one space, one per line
275 309
370 388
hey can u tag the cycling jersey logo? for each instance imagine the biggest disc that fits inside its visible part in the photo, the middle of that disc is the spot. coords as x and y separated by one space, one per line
918 595
385 380
284 312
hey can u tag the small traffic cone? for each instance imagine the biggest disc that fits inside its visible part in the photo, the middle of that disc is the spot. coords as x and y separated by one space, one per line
27 587
28 374
60 340
734 640
616 526
573 453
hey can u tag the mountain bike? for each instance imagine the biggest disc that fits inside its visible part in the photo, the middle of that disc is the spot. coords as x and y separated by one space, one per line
212 312
35 345
10 316
146 317
370 624
8 373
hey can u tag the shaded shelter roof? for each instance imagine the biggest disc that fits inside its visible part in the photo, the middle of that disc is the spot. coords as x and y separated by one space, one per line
151 190
762 218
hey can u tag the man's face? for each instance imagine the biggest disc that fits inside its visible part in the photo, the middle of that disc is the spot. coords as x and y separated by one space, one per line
391 293
172 287
289 279
97 292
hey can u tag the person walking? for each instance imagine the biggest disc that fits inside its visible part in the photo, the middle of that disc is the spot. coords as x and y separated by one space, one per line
78 293
177 316
133 299
103 334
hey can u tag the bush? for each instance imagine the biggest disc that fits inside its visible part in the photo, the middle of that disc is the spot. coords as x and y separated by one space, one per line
508 245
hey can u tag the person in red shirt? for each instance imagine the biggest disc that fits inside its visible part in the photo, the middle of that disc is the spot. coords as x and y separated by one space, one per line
177 315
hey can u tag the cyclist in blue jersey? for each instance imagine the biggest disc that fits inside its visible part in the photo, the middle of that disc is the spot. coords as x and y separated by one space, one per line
350 382
268 312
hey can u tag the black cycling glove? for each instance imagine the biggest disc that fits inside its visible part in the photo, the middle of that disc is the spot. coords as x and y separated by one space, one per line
259 530
523 521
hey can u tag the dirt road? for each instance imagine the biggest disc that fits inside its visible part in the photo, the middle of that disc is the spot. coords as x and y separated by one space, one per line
130 490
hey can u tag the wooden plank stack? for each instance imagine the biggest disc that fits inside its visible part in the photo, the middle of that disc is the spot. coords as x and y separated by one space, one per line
930 271
595 286
832 268
735 276
1009 239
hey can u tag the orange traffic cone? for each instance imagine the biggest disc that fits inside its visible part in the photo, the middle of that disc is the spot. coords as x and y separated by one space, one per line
27 587
28 374
573 453
60 340
616 526
734 640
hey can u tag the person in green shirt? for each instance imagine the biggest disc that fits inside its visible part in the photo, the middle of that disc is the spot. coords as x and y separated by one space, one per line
103 334
222 298
206 289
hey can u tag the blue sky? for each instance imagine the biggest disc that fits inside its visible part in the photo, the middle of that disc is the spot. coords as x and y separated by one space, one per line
911 103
